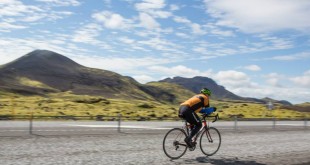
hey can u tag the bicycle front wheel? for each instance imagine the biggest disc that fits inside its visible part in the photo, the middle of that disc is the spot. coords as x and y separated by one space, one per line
173 144
210 141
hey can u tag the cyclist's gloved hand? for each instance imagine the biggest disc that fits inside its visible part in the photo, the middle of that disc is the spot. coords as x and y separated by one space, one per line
208 110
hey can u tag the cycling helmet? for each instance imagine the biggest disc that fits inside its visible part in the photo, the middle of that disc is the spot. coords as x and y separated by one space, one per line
206 91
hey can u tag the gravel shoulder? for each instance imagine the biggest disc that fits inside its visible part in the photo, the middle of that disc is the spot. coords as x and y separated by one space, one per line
272 147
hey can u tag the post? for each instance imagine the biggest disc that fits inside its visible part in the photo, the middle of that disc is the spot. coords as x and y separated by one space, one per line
235 126
274 123
30 123
305 122
119 123
12 108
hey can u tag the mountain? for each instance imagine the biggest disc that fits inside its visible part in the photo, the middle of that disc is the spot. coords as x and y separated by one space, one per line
177 92
43 71
282 102
195 84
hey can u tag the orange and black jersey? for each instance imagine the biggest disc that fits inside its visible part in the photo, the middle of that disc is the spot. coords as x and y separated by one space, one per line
197 102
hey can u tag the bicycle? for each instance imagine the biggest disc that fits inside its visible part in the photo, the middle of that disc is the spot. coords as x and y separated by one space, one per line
210 139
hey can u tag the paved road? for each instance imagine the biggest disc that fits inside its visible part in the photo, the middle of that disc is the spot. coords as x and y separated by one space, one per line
257 144
21 128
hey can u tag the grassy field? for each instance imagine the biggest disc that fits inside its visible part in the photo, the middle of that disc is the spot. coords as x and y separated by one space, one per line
67 104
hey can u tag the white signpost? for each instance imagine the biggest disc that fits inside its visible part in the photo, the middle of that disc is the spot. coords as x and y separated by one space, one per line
269 106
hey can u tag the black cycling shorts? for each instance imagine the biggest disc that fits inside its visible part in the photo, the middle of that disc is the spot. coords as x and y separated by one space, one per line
189 115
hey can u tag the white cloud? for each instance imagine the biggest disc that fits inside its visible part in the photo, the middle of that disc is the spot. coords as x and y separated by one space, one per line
148 21
179 70
181 20
161 44
273 82
159 14
182 35
16 15
33 18
261 15
150 4
153 8
143 78
174 7
88 34
111 20
224 33
274 79
123 65
62 2
233 79
15 8
276 42
241 84
7 27
298 56
252 68
303 80
126 40
196 28
294 94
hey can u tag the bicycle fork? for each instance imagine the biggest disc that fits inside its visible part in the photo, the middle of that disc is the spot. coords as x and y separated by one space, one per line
205 126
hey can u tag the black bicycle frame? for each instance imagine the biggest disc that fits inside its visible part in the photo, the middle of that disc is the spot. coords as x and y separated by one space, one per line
205 126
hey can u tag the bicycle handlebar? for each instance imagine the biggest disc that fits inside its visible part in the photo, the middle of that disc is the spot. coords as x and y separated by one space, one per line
216 117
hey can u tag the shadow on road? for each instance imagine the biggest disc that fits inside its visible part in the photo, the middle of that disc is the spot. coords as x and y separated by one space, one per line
230 161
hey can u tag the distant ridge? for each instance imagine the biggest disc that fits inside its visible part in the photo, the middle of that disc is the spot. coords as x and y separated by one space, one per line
195 84
42 71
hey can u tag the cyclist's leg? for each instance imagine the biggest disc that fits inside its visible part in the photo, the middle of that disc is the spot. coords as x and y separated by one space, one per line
193 118
182 110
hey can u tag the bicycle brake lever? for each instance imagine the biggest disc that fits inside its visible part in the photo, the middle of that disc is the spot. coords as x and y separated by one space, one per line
216 117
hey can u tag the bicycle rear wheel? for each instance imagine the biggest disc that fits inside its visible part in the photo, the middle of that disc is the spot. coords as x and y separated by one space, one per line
210 141
173 143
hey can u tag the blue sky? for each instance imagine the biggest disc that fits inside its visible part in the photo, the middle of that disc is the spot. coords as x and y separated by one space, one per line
254 48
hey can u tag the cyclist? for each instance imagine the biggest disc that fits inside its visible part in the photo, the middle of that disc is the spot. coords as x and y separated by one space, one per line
189 108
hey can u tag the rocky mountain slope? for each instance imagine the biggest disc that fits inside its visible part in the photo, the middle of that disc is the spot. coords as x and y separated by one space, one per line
42 71
219 92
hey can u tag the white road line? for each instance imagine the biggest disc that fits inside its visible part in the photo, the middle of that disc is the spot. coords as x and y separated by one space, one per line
115 126
298 125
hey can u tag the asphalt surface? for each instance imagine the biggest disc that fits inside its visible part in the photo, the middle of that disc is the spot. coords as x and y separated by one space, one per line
23 128
88 143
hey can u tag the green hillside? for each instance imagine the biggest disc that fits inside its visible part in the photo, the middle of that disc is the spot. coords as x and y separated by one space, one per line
70 105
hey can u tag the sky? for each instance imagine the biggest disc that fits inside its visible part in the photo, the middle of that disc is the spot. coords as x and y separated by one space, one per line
254 48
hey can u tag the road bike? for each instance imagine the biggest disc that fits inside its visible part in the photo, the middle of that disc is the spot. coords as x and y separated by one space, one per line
210 139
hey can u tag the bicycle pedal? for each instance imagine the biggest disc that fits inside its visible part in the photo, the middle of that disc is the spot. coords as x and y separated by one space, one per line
192 148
